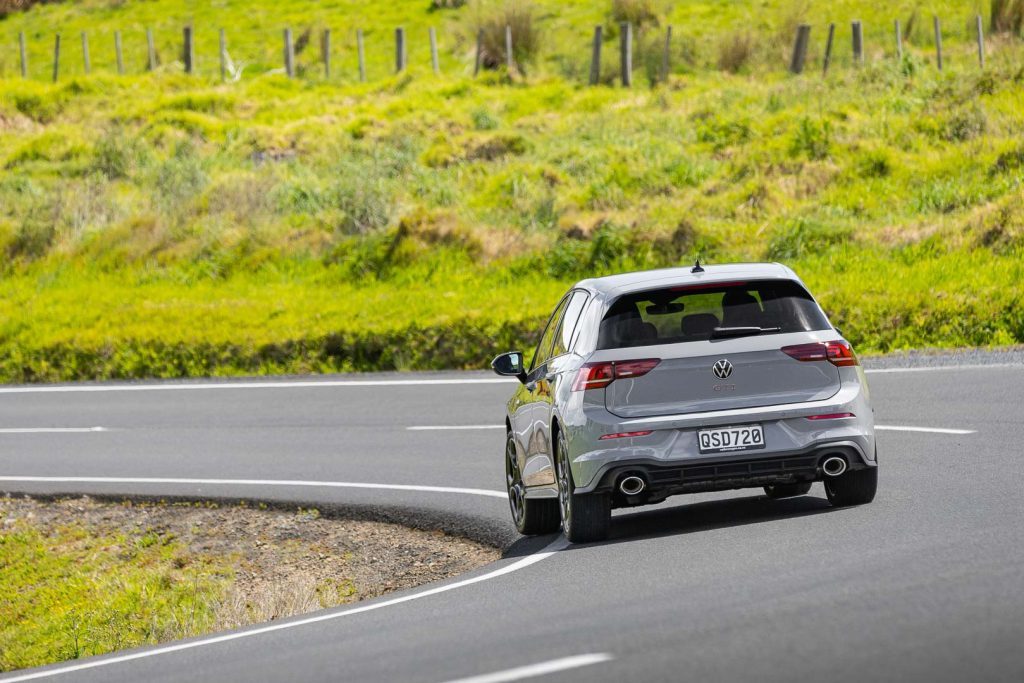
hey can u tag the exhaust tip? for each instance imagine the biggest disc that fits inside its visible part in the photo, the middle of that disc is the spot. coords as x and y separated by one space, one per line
834 466
632 485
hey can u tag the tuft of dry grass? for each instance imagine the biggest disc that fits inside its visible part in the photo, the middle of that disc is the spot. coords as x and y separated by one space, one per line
1007 16
272 601
735 52
11 6
640 13
521 18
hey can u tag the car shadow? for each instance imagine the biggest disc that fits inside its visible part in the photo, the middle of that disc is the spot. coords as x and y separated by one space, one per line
712 514
689 519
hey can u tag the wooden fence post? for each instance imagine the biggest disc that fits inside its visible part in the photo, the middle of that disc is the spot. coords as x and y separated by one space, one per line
981 41
223 42
899 41
434 62
150 50
479 50
362 55
595 57
24 54
938 42
828 49
666 54
117 53
626 53
858 42
325 51
189 53
56 57
510 59
289 54
86 62
803 36
400 54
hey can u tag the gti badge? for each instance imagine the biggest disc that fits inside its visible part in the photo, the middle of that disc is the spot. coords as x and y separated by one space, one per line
722 369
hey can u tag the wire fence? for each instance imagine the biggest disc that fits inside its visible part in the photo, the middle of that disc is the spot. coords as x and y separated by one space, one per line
347 58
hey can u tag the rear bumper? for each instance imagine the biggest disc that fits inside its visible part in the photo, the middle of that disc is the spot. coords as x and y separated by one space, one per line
722 474
672 448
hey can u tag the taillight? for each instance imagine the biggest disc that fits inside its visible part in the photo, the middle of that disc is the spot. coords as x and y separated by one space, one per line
600 375
594 376
831 416
838 353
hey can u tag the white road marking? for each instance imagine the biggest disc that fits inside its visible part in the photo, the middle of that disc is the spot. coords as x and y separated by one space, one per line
884 428
547 552
353 383
254 482
432 428
934 368
203 386
51 430
541 669
935 430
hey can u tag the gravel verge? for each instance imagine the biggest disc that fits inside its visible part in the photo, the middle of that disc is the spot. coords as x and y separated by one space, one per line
285 562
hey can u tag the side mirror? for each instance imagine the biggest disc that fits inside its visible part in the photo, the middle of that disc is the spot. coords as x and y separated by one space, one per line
509 364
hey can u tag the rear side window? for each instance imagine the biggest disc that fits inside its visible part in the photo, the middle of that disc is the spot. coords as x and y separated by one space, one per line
692 313
563 337
544 345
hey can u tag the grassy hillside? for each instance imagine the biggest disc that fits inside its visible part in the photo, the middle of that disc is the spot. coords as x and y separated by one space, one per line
165 225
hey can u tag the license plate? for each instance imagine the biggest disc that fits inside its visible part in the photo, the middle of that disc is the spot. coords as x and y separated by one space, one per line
725 439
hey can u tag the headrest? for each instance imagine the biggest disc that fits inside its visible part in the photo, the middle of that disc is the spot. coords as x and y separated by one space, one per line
698 324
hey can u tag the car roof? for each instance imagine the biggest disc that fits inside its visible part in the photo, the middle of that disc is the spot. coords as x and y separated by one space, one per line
625 283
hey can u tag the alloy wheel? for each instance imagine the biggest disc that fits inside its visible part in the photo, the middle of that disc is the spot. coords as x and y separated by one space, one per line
514 483
564 485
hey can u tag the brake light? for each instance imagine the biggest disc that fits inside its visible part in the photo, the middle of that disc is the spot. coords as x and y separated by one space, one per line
623 435
838 353
600 375
830 416
706 285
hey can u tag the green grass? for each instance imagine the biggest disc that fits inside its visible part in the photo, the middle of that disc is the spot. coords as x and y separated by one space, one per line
161 225
73 593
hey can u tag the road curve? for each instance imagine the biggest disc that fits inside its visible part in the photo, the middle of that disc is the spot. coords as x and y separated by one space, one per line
926 583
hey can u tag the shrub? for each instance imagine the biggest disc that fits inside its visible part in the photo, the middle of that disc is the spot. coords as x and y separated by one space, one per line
964 125
812 139
436 5
525 36
735 52
640 13
1007 16
364 204
11 6
180 179
802 237
875 163
118 154
483 120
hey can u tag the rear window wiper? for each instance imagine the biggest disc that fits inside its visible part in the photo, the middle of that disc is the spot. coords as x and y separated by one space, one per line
723 332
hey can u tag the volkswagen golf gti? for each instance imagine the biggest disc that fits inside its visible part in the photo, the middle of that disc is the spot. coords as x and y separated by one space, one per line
683 380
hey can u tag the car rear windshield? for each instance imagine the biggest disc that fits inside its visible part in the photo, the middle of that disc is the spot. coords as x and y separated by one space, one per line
698 312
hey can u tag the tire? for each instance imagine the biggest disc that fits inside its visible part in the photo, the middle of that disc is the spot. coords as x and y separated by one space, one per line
585 518
532 517
778 491
856 487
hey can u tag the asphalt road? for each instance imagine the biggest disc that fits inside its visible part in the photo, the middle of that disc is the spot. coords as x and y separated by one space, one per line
926 583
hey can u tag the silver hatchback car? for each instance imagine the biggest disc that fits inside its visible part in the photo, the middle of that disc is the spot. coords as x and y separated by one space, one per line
683 380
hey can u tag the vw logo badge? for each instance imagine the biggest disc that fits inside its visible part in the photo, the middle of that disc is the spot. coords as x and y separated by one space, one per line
722 369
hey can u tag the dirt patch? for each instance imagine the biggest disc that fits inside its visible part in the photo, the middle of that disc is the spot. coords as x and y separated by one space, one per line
284 562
